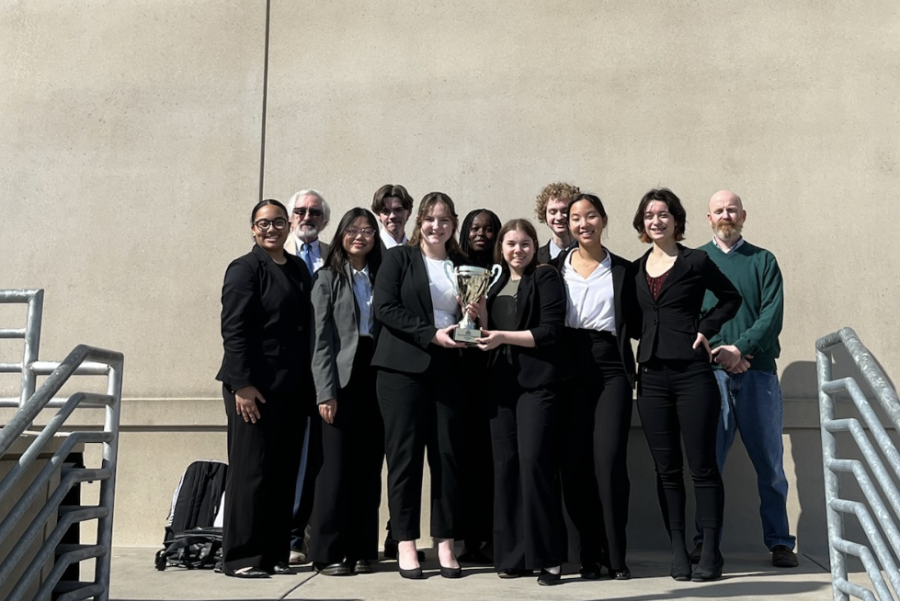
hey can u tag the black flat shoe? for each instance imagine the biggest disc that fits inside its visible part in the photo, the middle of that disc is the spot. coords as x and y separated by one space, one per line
250 573
282 568
548 579
451 572
623 574
361 566
591 571
477 557
333 569
515 573
705 574
413 574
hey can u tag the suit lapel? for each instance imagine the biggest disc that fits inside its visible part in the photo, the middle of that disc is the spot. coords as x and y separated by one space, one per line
679 269
524 299
618 277
279 277
419 274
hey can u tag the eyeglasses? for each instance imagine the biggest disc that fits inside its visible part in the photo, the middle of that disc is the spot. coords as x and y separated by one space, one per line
353 232
264 224
397 210
302 211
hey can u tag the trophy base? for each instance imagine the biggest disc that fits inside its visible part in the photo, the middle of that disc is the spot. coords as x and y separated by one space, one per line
467 335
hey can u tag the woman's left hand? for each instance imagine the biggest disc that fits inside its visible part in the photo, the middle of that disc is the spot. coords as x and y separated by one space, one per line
701 339
490 339
327 410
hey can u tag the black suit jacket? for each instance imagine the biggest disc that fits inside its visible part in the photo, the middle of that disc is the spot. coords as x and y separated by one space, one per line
671 323
402 303
540 308
266 324
543 252
624 303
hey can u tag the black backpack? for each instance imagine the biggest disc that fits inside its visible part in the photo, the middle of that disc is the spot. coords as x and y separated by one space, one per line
191 540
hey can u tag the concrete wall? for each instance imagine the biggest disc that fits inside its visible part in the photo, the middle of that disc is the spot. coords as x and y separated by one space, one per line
133 137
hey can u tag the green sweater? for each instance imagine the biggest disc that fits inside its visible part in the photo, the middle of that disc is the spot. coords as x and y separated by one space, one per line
755 329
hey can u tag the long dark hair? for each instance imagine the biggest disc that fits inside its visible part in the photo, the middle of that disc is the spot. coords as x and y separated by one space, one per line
521 225
464 236
337 255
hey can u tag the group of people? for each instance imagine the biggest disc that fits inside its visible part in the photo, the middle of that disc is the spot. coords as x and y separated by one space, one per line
529 421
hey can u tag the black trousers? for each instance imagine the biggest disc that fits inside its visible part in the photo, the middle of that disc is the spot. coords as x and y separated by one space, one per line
423 412
263 460
527 512
679 401
344 522
477 468
597 420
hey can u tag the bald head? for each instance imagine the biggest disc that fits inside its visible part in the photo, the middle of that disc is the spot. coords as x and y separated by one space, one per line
726 197
726 216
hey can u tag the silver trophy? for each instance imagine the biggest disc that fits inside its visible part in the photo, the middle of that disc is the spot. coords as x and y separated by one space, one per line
470 283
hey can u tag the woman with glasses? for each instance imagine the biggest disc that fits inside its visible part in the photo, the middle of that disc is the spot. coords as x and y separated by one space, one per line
344 524
418 383
267 388
678 398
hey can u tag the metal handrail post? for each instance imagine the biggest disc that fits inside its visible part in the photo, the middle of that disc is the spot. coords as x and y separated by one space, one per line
834 518
32 344
108 487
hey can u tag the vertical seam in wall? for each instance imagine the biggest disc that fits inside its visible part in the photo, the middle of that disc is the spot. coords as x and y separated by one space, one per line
265 98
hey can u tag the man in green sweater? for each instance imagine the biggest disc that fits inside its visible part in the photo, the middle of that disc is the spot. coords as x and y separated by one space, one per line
745 351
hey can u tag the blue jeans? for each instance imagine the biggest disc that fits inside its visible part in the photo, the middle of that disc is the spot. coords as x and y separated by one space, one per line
751 403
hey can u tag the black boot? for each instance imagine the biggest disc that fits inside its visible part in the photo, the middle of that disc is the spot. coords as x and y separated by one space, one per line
711 560
681 561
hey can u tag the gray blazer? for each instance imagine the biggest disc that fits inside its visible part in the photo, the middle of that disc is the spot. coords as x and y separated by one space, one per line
336 332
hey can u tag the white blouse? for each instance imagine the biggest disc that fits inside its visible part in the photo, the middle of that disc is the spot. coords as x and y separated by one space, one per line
443 296
590 302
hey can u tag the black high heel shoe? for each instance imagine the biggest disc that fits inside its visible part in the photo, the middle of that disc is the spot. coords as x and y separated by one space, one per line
413 574
451 572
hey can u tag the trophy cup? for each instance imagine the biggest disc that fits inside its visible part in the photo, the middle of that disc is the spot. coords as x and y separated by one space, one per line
470 283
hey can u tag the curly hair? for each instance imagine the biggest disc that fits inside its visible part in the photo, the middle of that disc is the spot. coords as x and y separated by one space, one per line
555 191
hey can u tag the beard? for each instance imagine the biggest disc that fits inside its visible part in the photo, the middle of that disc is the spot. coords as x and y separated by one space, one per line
307 232
729 231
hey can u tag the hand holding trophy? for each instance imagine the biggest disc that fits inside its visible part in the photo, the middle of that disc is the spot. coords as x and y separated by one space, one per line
470 283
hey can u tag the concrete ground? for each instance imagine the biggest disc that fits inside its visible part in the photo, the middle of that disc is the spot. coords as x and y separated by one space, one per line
746 577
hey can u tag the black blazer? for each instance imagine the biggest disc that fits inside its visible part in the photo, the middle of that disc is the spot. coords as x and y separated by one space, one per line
543 252
624 303
670 324
541 308
266 324
402 303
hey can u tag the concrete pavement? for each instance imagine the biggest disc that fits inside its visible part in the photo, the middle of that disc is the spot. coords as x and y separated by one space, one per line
747 576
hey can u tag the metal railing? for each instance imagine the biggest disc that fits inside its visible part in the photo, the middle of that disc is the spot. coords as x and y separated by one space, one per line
83 360
875 518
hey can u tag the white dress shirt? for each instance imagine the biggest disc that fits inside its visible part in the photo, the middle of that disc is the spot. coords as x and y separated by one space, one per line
389 241
362 290
590 302
443 296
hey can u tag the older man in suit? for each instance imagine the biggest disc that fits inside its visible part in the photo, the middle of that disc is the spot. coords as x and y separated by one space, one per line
309 215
